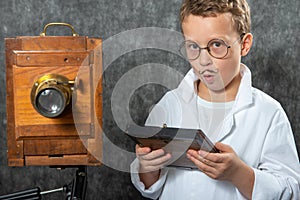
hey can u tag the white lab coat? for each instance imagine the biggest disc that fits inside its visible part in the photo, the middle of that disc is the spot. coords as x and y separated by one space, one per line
258 130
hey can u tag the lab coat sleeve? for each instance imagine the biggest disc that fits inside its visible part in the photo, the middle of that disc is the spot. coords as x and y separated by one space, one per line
157 117
155 190
278 173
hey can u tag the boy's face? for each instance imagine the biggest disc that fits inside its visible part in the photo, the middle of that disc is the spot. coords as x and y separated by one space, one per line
202 30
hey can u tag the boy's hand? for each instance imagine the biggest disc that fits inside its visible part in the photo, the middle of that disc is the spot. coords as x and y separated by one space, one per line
224 166
221 166
151 161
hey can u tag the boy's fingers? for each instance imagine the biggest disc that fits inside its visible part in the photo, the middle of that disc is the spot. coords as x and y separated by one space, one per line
154 154
142 150
161 161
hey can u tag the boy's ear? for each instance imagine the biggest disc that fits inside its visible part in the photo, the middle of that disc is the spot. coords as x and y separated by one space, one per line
246 44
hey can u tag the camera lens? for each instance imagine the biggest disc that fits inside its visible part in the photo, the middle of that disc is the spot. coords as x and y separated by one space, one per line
50 102
51 94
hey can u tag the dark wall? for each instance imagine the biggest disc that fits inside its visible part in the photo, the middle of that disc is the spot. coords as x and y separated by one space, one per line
274 61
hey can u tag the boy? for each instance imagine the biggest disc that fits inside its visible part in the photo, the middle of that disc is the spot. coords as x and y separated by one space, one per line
258 157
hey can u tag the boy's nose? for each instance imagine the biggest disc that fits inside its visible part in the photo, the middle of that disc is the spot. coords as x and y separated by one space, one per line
204 58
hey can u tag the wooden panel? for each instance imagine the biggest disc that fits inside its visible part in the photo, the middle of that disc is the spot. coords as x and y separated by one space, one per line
26 76
46 58
57 161
95 146
50 131
64 43
24 79
11 161
83 105
53 147
15 148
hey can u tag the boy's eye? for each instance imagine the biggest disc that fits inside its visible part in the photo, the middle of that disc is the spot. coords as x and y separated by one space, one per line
192 46
216 44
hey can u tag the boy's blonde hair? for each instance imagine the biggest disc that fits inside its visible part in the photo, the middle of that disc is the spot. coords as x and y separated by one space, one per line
210 8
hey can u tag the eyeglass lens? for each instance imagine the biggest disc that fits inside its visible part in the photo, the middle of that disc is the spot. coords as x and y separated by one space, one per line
216 48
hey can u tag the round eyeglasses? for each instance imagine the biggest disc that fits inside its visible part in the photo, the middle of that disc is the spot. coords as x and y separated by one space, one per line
217 48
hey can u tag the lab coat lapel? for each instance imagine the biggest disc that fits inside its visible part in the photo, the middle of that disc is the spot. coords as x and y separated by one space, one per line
243 100
186 89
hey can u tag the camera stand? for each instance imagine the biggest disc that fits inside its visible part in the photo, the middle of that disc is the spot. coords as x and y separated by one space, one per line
76 190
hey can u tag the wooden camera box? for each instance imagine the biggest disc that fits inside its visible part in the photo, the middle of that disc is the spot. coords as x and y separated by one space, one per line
44 87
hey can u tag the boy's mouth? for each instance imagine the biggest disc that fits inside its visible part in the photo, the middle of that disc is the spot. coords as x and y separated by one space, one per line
208 75
209 78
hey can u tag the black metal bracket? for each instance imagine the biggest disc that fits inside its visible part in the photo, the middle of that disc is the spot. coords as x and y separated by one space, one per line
76 190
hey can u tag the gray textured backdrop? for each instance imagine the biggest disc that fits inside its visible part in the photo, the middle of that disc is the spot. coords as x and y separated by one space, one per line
274 60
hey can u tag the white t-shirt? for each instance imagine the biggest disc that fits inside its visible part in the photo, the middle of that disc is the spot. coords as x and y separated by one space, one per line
211 116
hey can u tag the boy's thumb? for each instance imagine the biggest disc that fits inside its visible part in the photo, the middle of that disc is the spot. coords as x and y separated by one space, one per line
223 147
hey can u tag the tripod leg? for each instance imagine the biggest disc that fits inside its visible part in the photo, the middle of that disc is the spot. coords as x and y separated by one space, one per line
79 184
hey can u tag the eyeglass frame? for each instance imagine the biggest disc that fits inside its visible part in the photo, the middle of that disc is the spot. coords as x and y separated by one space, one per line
208 49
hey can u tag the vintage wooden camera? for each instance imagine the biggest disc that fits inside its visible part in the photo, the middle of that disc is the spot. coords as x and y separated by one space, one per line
43 89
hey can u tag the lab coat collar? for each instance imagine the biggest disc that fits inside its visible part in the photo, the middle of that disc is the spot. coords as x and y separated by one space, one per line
187 90
244 95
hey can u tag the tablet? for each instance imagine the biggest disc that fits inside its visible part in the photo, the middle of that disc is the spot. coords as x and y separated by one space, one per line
175 141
